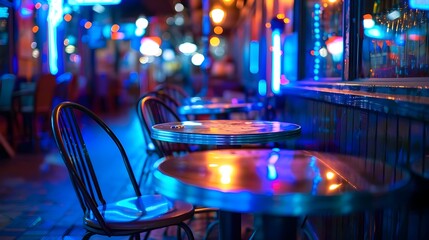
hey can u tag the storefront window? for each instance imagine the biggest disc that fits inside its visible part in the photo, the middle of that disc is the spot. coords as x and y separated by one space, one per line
395 42
324 42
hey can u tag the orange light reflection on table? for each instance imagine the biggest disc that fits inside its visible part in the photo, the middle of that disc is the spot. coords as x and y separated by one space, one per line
225 172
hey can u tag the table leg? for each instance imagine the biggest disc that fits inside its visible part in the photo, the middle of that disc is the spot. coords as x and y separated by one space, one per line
275 227
229 225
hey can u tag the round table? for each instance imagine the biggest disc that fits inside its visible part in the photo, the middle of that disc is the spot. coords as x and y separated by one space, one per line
279 184
218 108
225 132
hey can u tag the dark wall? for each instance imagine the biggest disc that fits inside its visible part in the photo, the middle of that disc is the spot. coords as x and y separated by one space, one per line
373 135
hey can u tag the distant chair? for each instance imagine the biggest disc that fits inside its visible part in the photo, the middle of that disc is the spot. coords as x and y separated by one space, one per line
154 110
7 85
37 104
175 91
168 100
150 112
130 216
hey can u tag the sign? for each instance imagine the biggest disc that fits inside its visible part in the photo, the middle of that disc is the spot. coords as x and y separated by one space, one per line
4 12
93 2
419 4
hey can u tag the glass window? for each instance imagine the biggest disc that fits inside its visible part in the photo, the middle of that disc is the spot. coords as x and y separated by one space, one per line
324 39
395 40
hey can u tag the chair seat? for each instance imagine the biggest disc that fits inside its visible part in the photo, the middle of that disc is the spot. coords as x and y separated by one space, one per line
142 213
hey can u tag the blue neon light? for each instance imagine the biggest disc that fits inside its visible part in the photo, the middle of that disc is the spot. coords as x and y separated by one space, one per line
254 57
262 87
276 59
317 43
290 57
93 2
55 17
419 4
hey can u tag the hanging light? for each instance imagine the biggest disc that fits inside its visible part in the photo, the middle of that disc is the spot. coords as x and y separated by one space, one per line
217 15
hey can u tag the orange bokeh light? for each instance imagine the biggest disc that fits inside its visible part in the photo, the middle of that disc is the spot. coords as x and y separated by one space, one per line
67 17
88 25
218 30
35 29
115 28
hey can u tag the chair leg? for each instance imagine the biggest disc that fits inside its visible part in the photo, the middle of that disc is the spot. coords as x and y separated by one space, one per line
210 227
179 233
308 229
187 230
146 237
88 235
135 236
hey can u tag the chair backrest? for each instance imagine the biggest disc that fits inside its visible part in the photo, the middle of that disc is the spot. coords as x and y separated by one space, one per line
176 92
171 102
154 110
67 132
6 91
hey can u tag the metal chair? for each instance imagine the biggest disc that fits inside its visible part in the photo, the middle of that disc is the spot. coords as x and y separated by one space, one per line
125 217
176 92
168 100
36 107
151 150
154 110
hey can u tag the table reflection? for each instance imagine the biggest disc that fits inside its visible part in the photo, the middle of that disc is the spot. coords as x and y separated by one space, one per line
279 182
217 107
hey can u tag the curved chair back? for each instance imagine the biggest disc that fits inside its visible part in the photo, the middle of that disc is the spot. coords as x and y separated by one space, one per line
124 216
73 149
171 102
6 90
176 92
153 111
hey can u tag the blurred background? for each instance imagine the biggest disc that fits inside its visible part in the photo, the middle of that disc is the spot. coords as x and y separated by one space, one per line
125 47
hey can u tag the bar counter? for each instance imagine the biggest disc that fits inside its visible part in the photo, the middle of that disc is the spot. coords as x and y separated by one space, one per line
387 120
407 99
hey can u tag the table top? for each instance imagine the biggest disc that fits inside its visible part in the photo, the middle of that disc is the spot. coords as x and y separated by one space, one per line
208 100
280 182
224 132
218 108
